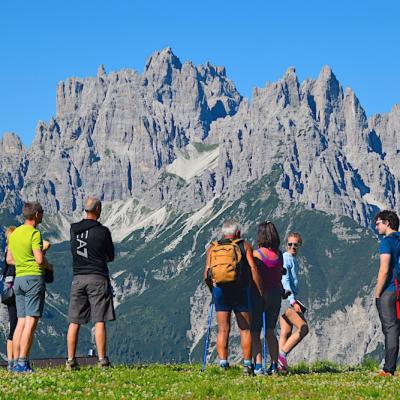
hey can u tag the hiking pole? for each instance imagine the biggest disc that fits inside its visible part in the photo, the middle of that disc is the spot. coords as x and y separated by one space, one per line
207 337
265 341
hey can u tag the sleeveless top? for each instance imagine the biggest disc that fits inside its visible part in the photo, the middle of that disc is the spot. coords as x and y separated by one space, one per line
270 267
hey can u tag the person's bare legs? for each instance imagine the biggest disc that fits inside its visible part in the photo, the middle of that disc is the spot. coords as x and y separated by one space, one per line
224 327
72 339
10 354
243 321
296 337
101 338
17 337
256 347
27 336
286 331
272 343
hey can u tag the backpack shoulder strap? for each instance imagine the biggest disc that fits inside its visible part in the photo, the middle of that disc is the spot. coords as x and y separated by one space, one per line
264 258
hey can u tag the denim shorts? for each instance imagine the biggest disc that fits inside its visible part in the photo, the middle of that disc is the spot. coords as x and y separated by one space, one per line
30 293
236 299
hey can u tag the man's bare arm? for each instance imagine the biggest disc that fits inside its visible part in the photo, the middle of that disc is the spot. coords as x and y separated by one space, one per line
206 270
38 254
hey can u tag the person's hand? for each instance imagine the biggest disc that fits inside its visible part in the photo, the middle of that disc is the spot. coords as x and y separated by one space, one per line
46 245
297 308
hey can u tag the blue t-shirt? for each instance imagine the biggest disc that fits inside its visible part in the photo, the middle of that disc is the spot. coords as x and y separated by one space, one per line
390 245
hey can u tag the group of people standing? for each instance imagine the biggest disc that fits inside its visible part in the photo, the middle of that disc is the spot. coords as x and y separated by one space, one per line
265 286
260 286
27 270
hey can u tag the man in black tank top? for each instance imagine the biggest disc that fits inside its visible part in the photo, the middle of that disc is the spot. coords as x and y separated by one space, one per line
234 297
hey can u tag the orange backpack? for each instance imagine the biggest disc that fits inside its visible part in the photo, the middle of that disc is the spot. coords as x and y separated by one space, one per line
224 260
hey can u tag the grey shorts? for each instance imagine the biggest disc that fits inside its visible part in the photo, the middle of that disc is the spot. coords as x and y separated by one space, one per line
30 292
270 302
91 300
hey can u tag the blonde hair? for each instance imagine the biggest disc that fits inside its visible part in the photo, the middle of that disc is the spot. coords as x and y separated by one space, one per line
9 231
295 235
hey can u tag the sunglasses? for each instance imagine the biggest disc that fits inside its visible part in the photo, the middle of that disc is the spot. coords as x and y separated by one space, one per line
377 223
293 244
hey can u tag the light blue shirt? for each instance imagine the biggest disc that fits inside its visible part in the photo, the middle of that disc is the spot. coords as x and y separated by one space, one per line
290 280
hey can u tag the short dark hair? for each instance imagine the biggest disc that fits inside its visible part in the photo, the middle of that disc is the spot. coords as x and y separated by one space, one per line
268 236
30 209
389 216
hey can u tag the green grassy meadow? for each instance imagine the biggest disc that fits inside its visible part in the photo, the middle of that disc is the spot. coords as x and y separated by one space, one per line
318 381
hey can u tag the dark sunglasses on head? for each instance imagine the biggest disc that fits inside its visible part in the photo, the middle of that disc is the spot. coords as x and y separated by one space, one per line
293 244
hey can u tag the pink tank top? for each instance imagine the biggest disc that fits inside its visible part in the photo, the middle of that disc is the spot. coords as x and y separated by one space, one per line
271 273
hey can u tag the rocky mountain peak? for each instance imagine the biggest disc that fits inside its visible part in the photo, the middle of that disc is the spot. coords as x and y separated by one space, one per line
101 72
160 60
11 144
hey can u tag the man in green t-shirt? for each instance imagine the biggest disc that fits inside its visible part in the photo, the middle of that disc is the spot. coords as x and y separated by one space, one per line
25 252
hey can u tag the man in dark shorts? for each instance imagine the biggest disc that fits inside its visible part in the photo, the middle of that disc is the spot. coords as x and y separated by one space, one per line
234 297
91 292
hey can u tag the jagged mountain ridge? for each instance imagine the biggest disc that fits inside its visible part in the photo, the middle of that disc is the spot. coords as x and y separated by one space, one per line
126 135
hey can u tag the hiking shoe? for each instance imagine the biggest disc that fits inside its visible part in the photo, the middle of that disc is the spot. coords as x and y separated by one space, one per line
282 364
385 373
259 372
104 363
248 370
11 366
71 365
224 366
25 368
273 369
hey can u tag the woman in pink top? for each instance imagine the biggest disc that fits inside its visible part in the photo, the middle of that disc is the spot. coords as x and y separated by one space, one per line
269 262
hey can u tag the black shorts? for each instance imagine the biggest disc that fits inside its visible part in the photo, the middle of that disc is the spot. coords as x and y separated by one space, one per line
91 300
270 302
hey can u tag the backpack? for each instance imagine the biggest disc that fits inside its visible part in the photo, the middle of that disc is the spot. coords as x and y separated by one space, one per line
396 273
224 260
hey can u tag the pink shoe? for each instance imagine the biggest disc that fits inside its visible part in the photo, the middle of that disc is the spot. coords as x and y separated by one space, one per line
282 364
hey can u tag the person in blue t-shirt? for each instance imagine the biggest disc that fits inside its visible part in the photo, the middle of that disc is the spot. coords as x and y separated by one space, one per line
387 224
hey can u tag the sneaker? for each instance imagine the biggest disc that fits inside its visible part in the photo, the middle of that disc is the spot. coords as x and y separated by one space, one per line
282 364
224 366
248 370
25 368
11 366
71 365
104 363
259 372
273 369
385 373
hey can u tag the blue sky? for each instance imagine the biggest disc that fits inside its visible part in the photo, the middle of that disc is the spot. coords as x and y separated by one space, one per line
43 42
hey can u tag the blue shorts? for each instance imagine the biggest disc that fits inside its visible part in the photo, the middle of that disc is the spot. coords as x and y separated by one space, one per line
30 293
236 299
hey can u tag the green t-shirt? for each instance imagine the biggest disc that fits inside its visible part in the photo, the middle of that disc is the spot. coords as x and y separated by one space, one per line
21 243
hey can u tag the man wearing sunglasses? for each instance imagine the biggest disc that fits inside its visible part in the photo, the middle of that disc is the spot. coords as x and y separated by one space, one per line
292 316
387 224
